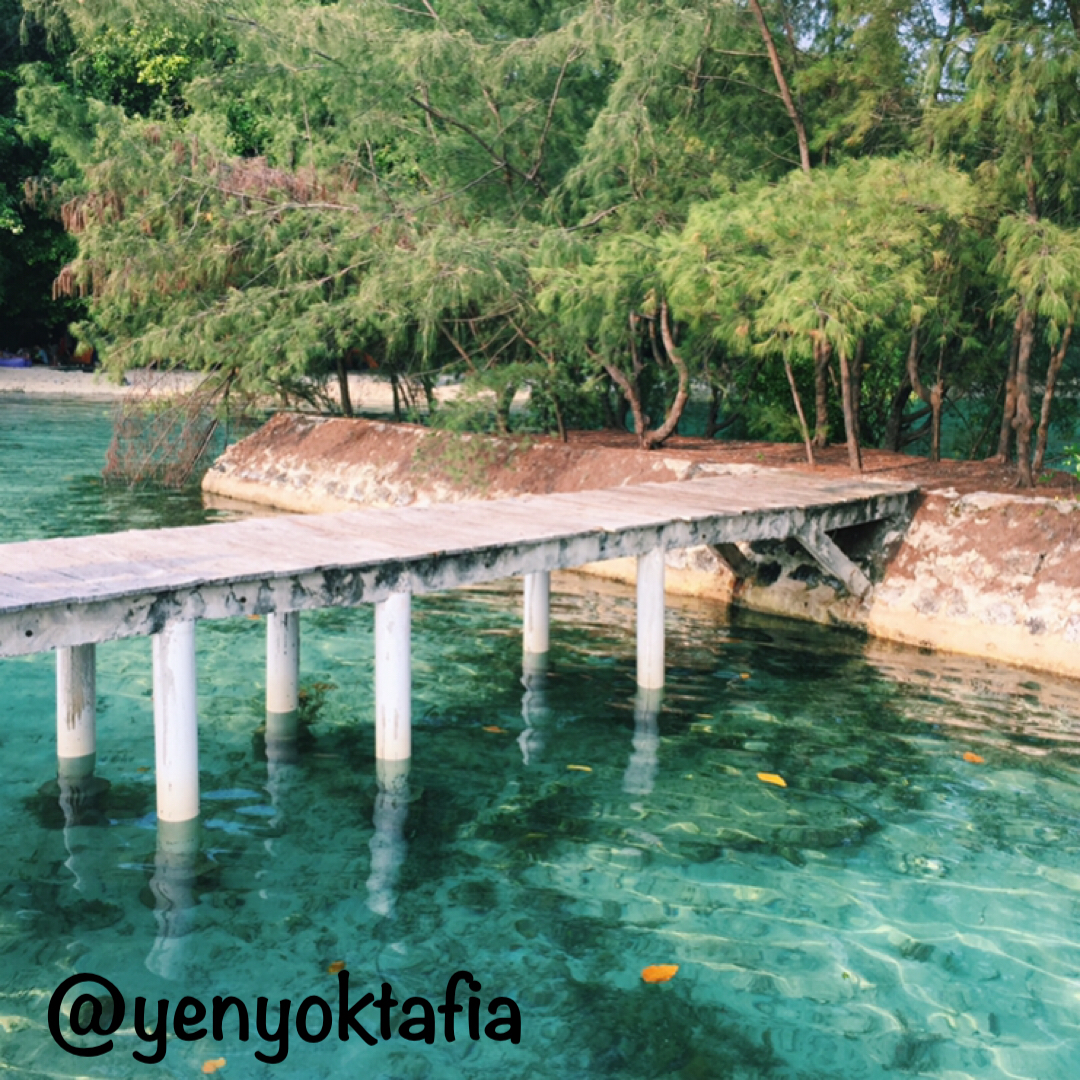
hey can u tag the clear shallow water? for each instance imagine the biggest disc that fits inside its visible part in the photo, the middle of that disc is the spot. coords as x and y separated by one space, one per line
52 452
895 910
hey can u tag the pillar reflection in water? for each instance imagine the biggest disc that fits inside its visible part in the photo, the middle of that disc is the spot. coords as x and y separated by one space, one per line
175 899
534 706
81 803
282 758
388 845
641 769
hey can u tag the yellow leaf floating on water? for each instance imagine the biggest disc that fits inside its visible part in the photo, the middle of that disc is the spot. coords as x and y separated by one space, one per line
495 729
579 768
336 966
744 674
212 1065
772 778
973 758
658 973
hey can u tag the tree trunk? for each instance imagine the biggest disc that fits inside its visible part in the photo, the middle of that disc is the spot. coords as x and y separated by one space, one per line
396 391
1056 360
428 383
1009 409
560 425
937 397
343 385
850 423
782 85
931 397
1024 421
913 367
504 399
856 383
895 424
799 409
631 388
821 392
633 398
682 395
714 413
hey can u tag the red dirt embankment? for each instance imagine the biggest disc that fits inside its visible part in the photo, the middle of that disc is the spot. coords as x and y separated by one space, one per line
981 569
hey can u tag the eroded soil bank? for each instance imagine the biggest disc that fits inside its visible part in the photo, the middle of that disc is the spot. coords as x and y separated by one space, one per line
979 569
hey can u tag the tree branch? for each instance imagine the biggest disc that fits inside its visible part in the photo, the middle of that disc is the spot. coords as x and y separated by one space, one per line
682 395
570 57
479 140
781 82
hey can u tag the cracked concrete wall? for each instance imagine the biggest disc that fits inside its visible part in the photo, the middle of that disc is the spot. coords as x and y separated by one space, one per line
996 576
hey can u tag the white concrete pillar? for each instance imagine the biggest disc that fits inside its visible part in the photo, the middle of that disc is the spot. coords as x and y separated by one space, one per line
176 723
537 618
393 677
282 662
650 620
76 712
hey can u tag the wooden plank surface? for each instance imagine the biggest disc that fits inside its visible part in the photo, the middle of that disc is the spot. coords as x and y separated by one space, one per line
49 574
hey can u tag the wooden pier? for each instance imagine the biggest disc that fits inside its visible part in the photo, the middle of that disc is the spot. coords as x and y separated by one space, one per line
69 594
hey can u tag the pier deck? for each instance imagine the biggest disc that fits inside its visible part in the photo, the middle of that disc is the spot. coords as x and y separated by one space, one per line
90 589
69 594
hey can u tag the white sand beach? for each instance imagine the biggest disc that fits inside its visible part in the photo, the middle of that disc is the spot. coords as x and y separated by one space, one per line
368 393
50 382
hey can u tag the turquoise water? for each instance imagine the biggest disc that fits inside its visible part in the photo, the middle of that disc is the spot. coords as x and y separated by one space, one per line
53 452
895 910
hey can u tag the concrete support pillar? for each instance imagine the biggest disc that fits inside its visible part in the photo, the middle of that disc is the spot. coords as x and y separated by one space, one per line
282 662
537 619
176 729
393 677
650 620
76 713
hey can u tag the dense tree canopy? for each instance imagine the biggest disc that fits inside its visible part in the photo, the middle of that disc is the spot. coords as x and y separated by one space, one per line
870 206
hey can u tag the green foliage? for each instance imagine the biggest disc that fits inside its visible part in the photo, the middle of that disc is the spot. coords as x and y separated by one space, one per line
520 193
842 253
1072 457
140 68
32 245
1040 264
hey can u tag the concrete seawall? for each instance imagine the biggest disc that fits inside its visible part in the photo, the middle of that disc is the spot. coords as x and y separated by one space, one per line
989 575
